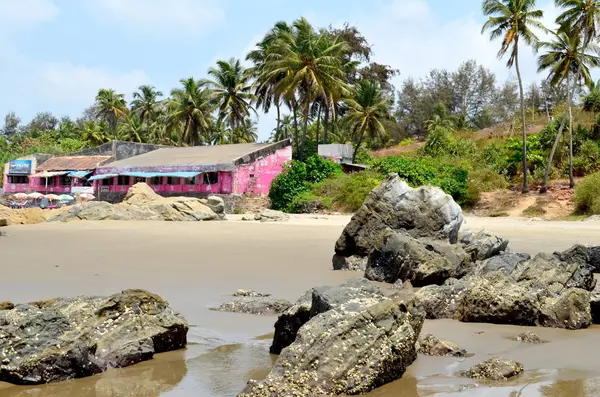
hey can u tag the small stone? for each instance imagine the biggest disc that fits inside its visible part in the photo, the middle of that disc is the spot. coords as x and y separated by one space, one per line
495 368
249 293
529 337
429 345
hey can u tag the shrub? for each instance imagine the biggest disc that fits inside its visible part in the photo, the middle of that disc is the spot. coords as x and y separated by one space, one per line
287 185
406 142
438 143
494 156
413 171
587 195
587 158
347 192
318 168
308 203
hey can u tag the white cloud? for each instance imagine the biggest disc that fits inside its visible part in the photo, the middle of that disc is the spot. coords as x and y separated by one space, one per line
410 36
162 17
20 12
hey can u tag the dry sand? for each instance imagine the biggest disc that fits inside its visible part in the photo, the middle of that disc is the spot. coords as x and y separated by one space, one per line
197 265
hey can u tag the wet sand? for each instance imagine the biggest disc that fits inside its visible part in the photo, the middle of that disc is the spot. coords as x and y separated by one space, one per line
197 266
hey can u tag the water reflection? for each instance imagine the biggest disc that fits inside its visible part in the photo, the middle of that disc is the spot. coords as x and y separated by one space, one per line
149 379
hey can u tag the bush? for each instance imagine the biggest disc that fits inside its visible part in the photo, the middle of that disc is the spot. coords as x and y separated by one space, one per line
318 169
346 192
308 203
494 156
587 159
406 142
587 195
438 143
413 171
287 185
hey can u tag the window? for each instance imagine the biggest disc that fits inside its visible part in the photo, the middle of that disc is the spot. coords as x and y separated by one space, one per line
171 180
123 180
48 181
191 181
18 179
85 182
107 181
210 178
64 180
157 180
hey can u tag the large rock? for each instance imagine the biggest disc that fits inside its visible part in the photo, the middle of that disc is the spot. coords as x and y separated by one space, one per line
506 263
551 272
319 300
256 305
570 310
423 212
595 304
397 256
351 263
141 194
67 338
495 368
351 349
588 255
271 216
485 245
216 204
441 301
497 300
4 222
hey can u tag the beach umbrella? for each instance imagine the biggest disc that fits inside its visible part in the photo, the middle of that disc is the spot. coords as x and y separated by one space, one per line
35 195
65 197
19 196
52 197
87 196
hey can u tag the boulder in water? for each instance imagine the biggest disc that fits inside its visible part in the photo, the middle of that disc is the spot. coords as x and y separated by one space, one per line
66 338
429 345
529 337
496 368
262 305
570 310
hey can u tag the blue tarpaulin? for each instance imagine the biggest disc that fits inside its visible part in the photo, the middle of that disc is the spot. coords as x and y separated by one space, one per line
103 176
79 174
154 174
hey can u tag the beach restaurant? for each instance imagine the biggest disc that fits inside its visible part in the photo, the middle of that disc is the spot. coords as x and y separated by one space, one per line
67 174
220 169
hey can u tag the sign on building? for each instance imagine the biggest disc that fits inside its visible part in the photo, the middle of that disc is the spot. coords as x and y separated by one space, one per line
19 167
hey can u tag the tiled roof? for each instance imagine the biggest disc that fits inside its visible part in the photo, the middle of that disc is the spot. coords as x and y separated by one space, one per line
73 163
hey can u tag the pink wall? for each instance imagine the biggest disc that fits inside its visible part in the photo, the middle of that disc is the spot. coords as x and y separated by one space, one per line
223 185
256 177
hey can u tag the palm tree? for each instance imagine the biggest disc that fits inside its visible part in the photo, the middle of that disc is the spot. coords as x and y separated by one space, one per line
311 66
513 20
264 83
132 129
562 61
581 17
591 102
367 109
146 103
95 133
232 90
190 112
110 107
285 129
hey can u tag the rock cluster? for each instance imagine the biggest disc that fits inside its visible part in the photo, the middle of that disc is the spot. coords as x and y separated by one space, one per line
429 345
403 234
348 339
141 203
66 338
529 337
263 305
496 368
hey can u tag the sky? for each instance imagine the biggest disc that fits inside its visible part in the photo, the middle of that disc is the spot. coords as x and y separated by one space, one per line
56 54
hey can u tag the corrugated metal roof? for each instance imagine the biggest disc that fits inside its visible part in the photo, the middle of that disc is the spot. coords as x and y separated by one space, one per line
219 154
153 174
102 176
73 163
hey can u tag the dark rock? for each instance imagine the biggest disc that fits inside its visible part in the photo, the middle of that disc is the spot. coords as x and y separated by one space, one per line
66 338
529 337
595 304
256 305
397 256
429 345
351 294
576 254
423 212
4 222
506 262
486 245
549 271
594 253
249 293
440 301
497 300
570 310
6 305
348 350
352 263
496 368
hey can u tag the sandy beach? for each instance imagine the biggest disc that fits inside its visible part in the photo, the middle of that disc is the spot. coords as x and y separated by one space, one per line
197 266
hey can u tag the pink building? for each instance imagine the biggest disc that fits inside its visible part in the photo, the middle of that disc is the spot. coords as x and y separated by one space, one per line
221 169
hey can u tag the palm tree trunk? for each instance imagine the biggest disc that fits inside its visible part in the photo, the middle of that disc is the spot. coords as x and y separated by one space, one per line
360 139
278 130
544 187
571 179
318 125
305 128
296 134
547 111
326 124
524 126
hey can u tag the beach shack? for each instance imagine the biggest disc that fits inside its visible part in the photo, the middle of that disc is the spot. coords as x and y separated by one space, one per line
66 174
221 169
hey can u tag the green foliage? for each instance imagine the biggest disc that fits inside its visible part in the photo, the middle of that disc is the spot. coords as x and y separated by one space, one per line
287 185
587 195
406 142
318 169
494 156
346 192
587 159
363 157
414 172
442 143
536 157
